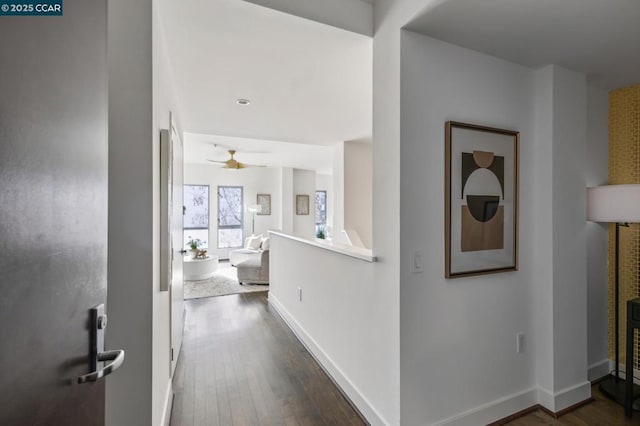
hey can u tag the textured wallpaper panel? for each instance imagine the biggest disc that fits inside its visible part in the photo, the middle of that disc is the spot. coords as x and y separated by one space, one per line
624 167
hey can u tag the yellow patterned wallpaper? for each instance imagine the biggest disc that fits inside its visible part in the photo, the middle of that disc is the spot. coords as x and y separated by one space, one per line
624 167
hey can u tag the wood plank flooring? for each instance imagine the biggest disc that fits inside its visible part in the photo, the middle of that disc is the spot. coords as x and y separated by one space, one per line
241 365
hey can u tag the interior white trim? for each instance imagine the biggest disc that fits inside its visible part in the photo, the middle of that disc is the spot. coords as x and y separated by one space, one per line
494 410
352 251
598 370
350 391
168 404
545 398
564 398
504 407
572 395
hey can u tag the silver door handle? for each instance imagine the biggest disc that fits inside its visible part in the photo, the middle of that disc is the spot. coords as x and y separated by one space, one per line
97 325
116 356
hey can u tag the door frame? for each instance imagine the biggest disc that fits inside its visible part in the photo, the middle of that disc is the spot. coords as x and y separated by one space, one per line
168 250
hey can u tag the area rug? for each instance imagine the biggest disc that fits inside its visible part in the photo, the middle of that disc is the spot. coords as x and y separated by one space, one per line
224 282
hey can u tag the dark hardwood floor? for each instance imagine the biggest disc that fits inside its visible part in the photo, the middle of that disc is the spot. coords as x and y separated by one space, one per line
601 412
241 365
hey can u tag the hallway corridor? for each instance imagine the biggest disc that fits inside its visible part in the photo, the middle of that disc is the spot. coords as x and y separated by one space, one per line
241 365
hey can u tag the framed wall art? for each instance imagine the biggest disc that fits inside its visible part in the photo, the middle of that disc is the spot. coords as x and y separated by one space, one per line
481 200
264 201
302 205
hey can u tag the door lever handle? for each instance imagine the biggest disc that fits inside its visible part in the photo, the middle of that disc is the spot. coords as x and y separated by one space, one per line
116 356
98 323
183 251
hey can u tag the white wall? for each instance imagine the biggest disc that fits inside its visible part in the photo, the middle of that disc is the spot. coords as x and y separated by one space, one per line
304 183
559 292
542 290
254 181
597 287
341 319
546 298
131 211
459 334
140 98
569 235
358 189
338 192
286 191
164 101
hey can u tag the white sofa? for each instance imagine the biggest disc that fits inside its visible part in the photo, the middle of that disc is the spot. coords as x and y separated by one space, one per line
250 251
240 255
255 270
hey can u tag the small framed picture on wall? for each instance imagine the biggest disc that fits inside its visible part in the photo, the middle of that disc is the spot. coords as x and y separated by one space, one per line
264 201
302 205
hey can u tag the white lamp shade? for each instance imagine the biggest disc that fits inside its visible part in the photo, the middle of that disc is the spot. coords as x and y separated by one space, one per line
614 203
256 208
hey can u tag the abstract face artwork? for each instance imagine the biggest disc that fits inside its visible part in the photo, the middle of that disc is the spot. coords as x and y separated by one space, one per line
481 200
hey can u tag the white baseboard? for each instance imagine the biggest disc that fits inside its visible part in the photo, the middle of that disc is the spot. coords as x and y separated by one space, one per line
504 407
546 399
484 414
349 389
564 398
168 404
494 410
598 370
572 395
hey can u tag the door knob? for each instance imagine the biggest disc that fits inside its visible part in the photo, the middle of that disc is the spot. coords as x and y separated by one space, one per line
97 353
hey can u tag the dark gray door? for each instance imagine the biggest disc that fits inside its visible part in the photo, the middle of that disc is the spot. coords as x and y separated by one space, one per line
53 212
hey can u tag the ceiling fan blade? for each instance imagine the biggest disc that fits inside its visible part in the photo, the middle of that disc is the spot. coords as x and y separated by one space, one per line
244 166
217 161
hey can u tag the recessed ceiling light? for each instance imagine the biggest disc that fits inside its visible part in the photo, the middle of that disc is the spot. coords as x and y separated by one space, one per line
243 101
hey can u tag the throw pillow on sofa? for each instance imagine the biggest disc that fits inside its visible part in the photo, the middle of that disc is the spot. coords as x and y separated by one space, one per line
254 242
265 244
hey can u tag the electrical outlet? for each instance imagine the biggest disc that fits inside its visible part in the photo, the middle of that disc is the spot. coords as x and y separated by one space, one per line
520 342
300 294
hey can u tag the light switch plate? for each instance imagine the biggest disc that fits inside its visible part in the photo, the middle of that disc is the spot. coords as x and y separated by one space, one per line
417 262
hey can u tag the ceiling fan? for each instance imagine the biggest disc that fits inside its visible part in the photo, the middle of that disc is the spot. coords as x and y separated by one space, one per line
232 163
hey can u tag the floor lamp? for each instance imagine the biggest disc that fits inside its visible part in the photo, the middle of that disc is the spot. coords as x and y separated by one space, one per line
619 204
256 208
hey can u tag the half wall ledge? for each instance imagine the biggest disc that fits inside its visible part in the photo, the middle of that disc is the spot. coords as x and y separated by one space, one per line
355 252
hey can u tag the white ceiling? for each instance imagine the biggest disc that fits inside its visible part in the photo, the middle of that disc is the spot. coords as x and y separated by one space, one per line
200 147
307 82
600 38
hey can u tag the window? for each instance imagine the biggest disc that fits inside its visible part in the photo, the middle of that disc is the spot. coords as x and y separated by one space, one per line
321 211
195 219
230 233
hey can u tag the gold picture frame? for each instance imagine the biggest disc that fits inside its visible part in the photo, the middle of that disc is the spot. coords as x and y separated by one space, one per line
302 205
264 201
481 199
